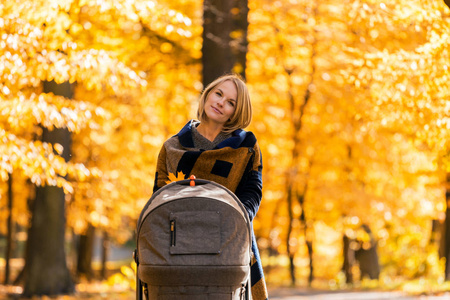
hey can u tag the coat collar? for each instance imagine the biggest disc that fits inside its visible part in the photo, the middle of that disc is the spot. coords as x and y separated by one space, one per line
185 137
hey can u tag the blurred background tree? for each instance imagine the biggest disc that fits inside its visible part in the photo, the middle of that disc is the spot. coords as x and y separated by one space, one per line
350 108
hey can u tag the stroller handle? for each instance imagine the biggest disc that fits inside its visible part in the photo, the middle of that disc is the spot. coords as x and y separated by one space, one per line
192 181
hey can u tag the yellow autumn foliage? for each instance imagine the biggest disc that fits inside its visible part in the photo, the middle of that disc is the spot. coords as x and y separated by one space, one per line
350 103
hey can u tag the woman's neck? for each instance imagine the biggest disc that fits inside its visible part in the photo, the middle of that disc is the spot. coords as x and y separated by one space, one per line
208 130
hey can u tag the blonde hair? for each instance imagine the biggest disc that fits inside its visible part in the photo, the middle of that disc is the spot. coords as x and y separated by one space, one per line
242 116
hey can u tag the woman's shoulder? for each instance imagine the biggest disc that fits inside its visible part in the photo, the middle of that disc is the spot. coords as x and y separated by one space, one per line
239 138
183 137
247 135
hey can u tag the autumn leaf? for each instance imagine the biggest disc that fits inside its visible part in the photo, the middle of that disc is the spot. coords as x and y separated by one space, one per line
173 178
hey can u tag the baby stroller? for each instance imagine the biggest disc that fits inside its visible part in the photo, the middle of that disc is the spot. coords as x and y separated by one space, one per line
193 243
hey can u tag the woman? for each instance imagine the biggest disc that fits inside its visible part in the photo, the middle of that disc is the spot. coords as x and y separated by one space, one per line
217 148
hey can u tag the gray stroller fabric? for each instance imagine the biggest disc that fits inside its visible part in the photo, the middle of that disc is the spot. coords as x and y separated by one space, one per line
194 242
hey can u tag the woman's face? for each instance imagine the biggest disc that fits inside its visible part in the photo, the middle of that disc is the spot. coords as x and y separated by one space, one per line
220 104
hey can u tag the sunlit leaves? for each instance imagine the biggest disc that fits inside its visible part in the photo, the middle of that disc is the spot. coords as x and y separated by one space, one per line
38 162
415 92
52 40
371 146
374 132
49 111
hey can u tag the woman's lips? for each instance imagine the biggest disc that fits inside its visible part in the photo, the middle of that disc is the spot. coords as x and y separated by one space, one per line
216 110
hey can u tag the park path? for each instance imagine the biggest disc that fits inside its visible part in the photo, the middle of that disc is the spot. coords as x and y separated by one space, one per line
308 294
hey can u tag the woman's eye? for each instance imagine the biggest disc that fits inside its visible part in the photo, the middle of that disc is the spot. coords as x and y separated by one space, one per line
231 103
218 94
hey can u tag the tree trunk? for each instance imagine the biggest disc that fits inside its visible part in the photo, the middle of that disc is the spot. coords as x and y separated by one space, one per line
437 236
45 271
239 42
105 252
309 245
446 234
368 258
224 38
290 253
9 240
308 241
447 2
85 252
368 262
446 230
349 260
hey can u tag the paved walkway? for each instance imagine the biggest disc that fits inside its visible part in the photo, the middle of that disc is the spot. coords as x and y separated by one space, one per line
307 294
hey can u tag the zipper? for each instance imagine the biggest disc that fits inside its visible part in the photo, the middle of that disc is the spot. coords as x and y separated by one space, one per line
172 233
